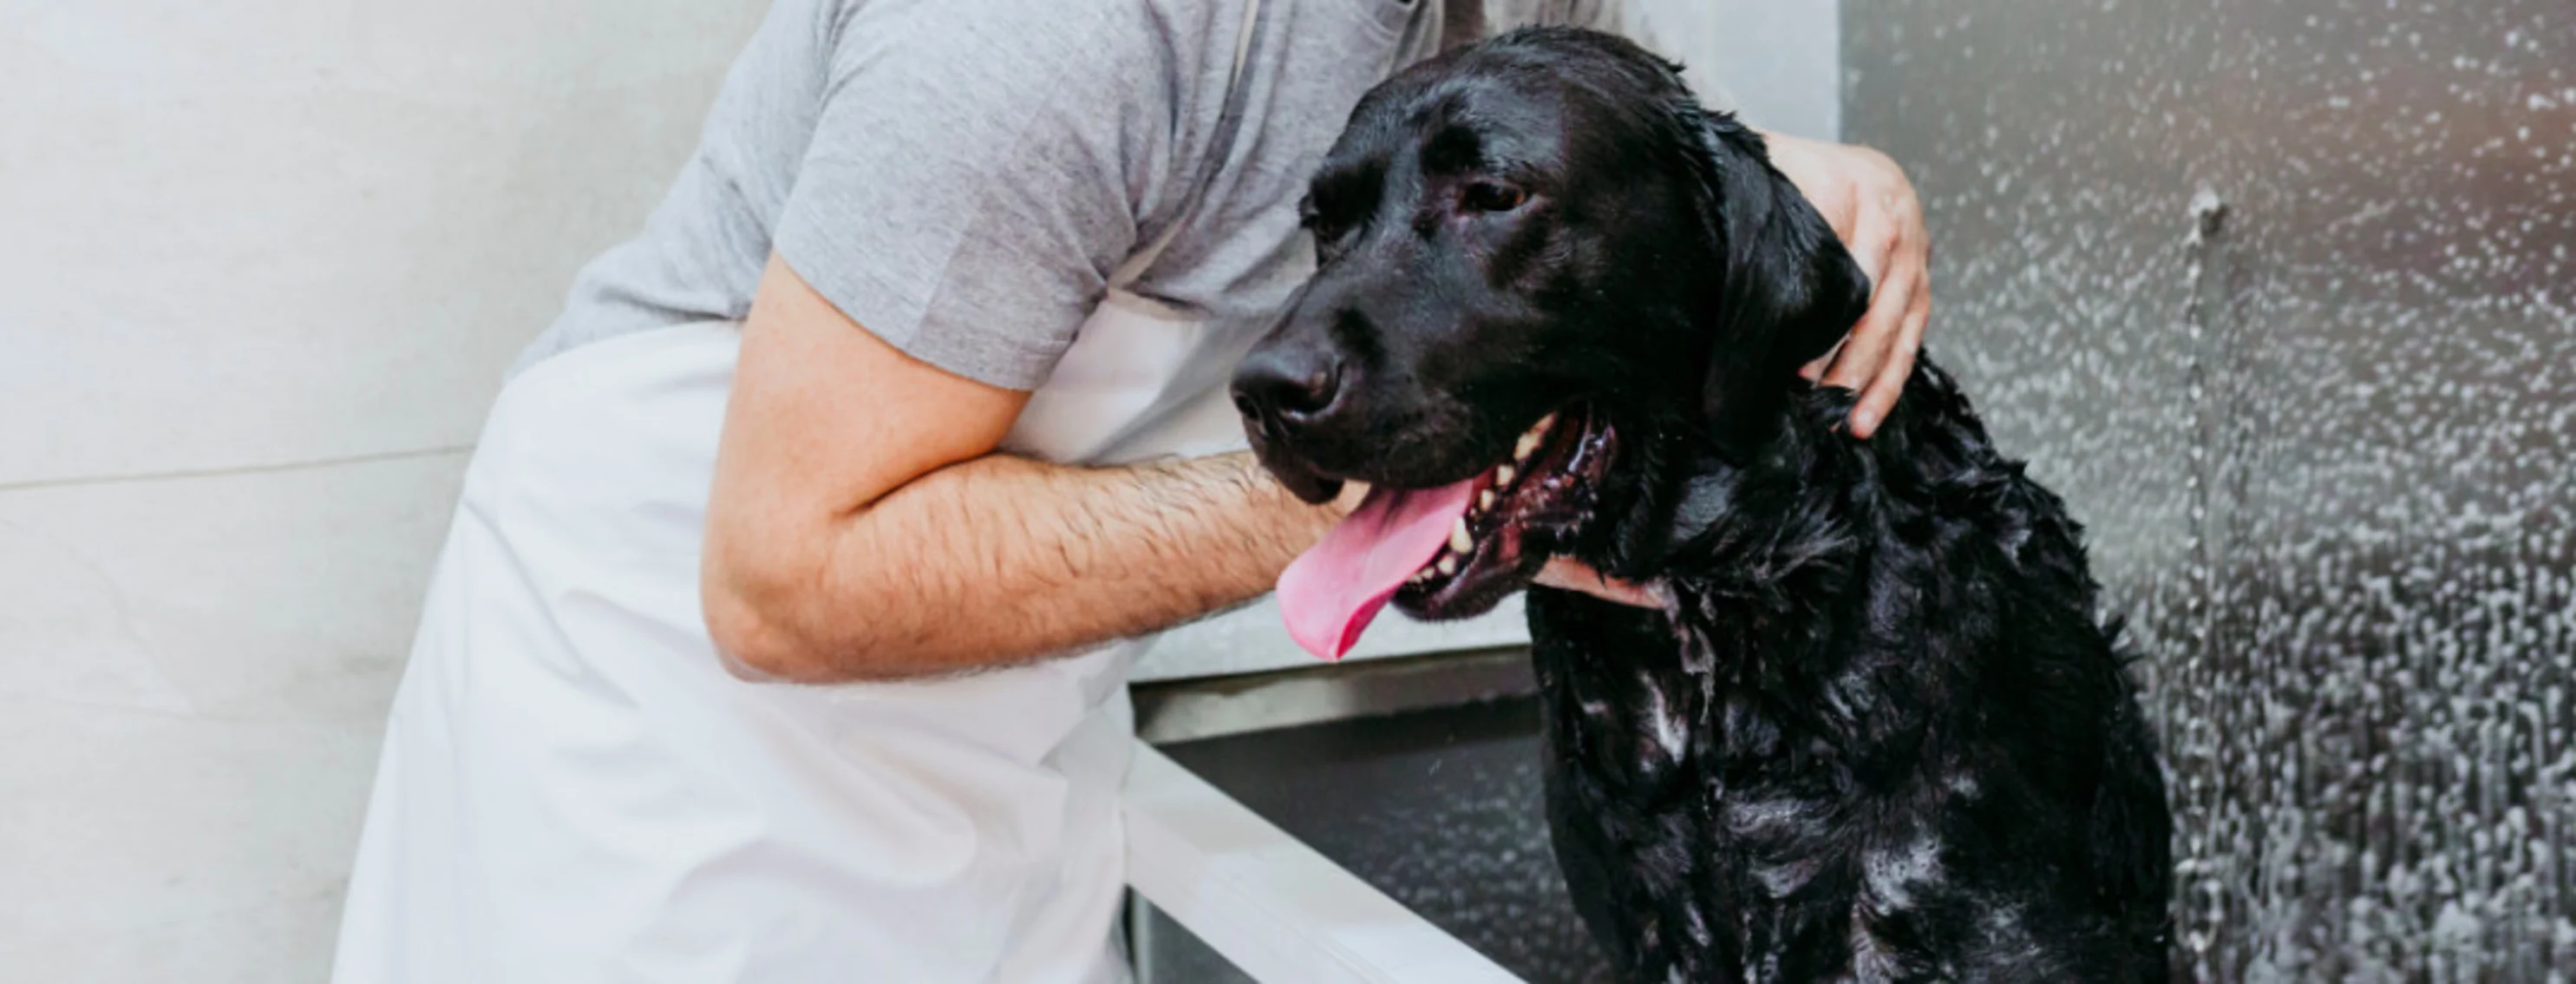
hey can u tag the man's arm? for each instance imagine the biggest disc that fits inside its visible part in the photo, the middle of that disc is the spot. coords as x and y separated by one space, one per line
861 526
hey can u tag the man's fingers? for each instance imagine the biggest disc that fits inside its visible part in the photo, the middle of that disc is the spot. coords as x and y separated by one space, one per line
1815 371
1874 211
1865 353
1872 243
1880 399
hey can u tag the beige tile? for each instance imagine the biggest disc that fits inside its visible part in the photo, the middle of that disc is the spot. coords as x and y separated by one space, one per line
68 633
151 847
276 595
190 706
283 231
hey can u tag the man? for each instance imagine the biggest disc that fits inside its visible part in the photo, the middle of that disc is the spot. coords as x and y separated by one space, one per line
777 635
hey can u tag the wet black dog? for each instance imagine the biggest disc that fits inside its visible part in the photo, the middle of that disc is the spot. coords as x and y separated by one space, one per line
1880 732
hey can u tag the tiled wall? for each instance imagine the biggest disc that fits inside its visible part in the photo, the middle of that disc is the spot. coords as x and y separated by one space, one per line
263 263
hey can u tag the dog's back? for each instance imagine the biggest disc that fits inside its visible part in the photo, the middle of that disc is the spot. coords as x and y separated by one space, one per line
1881 734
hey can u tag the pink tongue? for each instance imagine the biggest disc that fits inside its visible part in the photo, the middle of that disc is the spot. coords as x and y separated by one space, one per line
1333 591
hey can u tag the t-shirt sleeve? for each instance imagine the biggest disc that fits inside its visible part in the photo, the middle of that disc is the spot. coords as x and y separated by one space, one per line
971 179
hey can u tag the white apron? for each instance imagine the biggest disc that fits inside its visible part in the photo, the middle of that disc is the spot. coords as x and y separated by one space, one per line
572 788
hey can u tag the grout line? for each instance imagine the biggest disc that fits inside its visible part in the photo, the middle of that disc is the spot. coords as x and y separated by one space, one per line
78 481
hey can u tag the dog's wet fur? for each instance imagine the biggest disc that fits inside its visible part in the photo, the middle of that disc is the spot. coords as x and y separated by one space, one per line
1880 732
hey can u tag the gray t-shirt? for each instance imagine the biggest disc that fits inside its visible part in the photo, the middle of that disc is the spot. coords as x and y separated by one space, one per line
961 177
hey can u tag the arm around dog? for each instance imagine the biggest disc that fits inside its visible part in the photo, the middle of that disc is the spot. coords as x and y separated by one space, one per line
867 530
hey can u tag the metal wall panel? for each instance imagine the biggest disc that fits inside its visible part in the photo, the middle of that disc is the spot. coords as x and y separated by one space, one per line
2280 296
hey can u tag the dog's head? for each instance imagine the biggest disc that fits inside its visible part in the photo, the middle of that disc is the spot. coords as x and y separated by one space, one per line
1546 270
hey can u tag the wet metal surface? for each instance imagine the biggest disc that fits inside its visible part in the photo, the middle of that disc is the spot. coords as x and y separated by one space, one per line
2282 297
1439 809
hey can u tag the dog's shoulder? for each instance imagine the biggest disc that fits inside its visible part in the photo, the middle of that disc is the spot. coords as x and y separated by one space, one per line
1934 472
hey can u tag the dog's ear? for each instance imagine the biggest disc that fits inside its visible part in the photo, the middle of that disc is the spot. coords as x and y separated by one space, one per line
1787 289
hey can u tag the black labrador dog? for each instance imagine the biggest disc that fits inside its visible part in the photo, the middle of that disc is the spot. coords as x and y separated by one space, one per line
1878 732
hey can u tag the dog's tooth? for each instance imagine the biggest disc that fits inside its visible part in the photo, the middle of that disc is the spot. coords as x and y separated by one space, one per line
1448 566
1530 439
1503 475
1459 539
1485 500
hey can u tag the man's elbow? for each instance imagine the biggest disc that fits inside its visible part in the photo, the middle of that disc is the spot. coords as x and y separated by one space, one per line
753 646
760 640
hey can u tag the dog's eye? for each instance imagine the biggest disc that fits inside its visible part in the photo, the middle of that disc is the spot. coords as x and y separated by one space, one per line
1328 240
1327 250
1491 196
1328 235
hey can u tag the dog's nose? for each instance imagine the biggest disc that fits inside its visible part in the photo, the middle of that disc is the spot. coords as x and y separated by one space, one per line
1283 388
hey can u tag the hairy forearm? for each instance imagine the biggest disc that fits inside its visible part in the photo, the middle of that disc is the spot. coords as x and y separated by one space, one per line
1003 559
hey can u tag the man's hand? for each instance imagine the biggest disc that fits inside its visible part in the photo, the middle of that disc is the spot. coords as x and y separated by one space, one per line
1575 575
1353 493
1872 206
